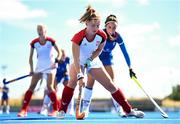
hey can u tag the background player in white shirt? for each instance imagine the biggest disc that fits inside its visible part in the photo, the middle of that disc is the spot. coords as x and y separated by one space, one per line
44 46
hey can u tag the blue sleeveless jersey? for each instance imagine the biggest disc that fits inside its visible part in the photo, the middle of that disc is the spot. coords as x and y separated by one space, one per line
62 69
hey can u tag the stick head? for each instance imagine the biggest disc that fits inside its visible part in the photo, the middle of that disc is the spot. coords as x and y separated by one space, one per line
80 116
165 115
4 81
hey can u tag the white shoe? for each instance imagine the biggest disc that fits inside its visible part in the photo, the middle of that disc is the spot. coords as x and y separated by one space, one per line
61 114
85 107
7 112
1 109
121 112
44 110
136 113
7 109
71 112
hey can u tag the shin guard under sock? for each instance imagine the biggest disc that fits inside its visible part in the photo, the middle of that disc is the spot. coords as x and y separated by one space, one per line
66 98
119 97
27 99
53 97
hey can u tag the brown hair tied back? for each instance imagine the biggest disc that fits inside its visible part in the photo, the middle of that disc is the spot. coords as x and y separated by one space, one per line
111 18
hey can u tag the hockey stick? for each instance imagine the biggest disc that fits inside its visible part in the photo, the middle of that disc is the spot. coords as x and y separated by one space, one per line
40 85
22 77
16 79
152 100
79 115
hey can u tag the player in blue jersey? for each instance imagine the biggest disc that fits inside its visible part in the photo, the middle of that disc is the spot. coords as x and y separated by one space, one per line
4 99
62 75
106 58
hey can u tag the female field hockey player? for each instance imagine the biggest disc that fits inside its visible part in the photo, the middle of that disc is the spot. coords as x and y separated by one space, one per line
86 47
4 99
62 75
44 46
106 58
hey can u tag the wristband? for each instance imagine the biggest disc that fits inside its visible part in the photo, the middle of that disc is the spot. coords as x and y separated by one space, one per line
80 76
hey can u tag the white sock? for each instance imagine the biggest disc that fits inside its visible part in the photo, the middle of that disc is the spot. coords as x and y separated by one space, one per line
86 99
46 101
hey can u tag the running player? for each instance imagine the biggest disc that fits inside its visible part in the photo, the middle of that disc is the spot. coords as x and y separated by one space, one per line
86 47
44 46
4 99
106 58
62 75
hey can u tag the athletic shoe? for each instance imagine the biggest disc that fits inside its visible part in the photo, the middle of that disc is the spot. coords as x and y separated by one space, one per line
54 113
136 113
44 110
22 113
61 114
121 112
85 107
71 112
1 109
7 111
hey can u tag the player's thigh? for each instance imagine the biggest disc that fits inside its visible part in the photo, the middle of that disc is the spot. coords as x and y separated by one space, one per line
35 78
110 71
73 76
50 80
90 81
103 78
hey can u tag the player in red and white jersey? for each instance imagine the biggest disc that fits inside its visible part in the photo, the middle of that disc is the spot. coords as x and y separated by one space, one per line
45 57
86 47
45 65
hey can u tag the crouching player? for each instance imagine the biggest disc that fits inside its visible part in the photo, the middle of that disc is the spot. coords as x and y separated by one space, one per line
86 47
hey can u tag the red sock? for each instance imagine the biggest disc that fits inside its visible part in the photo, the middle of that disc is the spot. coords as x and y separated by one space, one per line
27 99
66 98
119 97
53 97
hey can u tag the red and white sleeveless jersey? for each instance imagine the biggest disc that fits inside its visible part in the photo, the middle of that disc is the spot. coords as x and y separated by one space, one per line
44 53
87 47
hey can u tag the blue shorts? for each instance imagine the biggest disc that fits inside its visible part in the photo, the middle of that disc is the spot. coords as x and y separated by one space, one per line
59 77
4 97
106 58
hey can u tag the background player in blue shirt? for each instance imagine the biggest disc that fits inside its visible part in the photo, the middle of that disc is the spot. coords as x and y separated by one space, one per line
4 99
106 58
